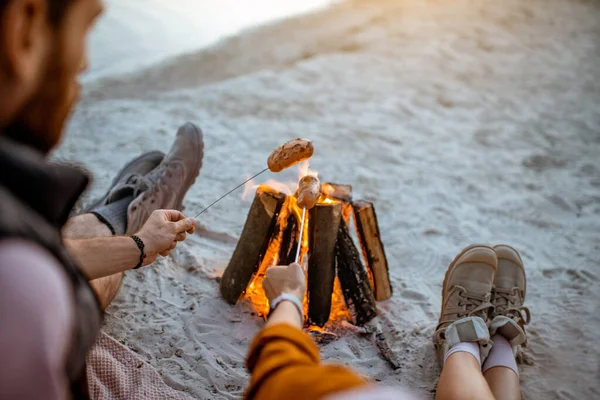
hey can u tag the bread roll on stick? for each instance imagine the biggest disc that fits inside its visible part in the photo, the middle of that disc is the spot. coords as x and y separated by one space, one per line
290 153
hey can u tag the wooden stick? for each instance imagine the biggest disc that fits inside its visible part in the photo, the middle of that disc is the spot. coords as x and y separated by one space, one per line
231 191
372 247
324 222
253 244
354 278
380 338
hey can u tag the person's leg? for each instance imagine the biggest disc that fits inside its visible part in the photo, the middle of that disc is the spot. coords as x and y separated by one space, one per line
508 324
109 215
462 339
462 379
150 182
88 226
107 288
110 218
501 372
504 383
85 226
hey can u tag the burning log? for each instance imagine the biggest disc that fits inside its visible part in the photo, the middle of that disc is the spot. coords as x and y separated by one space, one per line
342 193
338 192
252 245
354 278
324 224
372 247
271 236
289 241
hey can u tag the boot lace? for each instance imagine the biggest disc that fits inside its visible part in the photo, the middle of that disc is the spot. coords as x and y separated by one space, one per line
134 185
508 303
469 304
167 169
140 184
148 185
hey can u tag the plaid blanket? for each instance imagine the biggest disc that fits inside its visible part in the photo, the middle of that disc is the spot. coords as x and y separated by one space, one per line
115 372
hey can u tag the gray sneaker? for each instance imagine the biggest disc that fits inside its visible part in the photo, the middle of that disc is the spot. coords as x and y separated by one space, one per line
466 303
111 209
121 186
167 185
508 296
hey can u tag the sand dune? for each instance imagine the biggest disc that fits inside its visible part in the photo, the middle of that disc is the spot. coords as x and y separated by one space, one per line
466 121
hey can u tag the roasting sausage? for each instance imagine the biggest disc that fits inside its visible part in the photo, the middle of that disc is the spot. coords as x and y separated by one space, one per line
309 191
290 153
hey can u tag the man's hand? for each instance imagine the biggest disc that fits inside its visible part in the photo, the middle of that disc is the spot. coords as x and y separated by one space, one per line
284 279
162 231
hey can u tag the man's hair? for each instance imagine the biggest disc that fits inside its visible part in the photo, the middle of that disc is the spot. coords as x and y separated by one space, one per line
56 9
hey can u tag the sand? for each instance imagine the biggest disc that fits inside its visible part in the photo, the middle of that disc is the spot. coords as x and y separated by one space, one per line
134 34
464 121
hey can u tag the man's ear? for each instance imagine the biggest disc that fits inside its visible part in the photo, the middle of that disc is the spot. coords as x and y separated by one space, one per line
24 39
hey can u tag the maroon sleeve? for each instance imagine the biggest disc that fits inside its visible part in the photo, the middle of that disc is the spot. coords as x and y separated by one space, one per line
36 314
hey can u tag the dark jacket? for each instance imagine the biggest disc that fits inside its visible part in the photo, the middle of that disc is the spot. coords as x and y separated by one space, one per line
36 198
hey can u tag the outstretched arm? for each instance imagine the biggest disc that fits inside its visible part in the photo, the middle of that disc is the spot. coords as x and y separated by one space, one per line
284 361
104 256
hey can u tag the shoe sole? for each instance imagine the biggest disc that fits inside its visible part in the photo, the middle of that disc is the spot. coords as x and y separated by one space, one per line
199 144
520 263
453 265
124 172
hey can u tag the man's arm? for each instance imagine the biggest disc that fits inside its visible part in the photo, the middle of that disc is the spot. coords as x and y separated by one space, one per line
283 360
104 256
36 320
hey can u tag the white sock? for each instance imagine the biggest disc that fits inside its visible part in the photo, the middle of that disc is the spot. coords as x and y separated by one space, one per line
501 355
465 347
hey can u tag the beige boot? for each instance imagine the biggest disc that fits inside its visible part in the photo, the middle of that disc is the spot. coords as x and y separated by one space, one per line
508 296
167 185
466 303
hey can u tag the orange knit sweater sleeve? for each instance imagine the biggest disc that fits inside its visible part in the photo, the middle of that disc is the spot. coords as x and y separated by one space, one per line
285 364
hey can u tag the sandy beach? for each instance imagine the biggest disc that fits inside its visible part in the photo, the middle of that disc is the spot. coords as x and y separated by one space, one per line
134 34
464 122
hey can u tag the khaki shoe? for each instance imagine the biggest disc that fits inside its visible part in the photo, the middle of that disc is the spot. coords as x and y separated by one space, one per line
121 186
508 296
167 185
111 209
466 303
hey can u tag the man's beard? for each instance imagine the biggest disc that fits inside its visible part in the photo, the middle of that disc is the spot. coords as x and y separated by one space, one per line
40 122
20 132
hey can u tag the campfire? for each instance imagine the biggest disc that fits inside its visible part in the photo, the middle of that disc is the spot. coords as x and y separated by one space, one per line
339 286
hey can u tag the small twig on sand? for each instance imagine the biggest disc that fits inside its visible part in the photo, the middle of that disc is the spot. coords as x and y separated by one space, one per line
380 337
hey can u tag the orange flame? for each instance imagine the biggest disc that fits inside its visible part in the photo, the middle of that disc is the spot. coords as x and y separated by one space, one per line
255 293
288 188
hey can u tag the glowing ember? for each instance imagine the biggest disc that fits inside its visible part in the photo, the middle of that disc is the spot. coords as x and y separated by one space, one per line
271 236
255 292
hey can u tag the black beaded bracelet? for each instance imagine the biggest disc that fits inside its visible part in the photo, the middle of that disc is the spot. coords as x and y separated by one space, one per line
140 245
